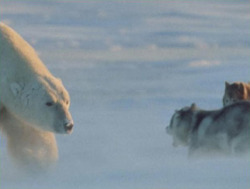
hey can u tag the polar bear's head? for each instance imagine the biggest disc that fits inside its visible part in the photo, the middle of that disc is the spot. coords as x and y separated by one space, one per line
43 103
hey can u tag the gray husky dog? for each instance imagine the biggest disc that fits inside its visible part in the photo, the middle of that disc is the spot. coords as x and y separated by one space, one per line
224 131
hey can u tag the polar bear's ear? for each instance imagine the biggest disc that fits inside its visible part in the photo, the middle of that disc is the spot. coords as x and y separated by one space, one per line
15 88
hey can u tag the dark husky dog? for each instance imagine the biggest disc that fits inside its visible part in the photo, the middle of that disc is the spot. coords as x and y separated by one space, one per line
224 131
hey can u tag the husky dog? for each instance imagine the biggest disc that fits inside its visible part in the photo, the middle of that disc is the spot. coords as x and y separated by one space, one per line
225 131
235 92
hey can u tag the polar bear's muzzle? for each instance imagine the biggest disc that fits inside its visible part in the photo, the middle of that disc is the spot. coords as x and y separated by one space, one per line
68 126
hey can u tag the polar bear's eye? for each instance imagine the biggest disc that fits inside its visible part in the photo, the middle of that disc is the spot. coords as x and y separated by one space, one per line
49 103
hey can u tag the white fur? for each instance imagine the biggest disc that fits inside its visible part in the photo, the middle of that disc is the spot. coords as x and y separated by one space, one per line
35 103
30 148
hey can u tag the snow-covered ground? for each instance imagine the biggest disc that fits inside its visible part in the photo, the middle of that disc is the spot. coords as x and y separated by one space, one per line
127 66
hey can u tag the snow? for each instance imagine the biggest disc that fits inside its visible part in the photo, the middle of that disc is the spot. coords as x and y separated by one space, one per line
127 66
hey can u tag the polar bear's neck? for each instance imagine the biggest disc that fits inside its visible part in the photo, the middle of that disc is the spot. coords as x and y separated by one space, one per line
15 50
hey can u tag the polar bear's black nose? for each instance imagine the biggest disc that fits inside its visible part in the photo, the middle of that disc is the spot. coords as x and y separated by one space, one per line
68 127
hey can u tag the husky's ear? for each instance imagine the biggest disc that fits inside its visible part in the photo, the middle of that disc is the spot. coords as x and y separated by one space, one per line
15 88
59 80
193 106
227 84
242 89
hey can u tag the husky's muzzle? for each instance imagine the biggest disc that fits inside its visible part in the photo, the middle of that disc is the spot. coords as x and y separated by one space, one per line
169 130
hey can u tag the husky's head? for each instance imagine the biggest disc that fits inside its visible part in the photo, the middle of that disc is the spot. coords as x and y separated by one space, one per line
234 92
181 125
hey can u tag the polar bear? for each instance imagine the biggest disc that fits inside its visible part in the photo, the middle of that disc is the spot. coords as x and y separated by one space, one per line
33 103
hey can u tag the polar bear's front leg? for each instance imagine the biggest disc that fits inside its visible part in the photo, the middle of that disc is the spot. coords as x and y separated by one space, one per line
30 148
